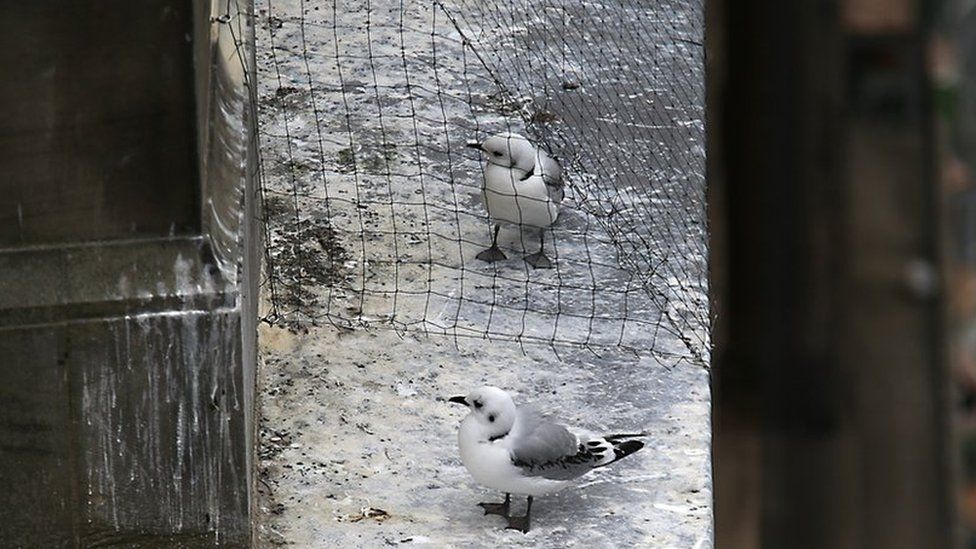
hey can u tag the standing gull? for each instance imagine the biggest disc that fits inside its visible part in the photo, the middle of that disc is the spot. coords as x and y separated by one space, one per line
517 451
523 185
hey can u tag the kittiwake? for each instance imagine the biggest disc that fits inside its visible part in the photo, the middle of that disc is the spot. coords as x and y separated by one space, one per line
517 451
523 185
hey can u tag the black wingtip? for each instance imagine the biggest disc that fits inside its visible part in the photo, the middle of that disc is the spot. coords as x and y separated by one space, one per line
624 449
458 400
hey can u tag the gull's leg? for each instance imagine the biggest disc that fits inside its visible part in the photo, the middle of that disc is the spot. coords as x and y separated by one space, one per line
497 508
493 253
539 259
521 523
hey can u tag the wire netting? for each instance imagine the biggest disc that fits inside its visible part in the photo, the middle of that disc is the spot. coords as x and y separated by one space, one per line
372 201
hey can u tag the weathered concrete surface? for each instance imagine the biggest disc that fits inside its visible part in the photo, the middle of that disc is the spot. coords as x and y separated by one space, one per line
122 412
357 421
380 310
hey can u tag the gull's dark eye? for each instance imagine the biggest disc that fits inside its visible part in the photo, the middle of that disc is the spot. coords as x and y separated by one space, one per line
491 418
477 404
496 153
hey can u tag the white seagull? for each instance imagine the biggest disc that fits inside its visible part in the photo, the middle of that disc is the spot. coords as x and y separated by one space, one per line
517 451
523 185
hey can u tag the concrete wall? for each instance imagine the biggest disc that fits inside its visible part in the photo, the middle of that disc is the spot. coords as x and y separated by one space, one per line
126 323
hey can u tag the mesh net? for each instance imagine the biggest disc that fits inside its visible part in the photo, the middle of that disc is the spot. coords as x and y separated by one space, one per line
373 202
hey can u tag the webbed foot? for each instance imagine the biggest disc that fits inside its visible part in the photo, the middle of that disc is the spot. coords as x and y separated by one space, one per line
491 254
518 523
500 509
538 260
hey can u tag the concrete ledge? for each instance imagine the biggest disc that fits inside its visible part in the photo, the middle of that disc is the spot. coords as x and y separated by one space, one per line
56 284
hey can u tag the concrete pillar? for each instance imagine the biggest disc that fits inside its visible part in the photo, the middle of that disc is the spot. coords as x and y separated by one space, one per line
127 273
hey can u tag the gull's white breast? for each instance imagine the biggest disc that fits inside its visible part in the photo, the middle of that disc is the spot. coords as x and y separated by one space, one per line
521 202
490 463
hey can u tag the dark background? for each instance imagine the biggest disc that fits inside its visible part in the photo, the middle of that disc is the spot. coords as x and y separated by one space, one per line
842 219
97 121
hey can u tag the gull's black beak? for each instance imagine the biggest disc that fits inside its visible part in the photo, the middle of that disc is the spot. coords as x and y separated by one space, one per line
473 145
458 400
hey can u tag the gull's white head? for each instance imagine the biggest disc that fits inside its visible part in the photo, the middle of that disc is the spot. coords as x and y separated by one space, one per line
491 409
508 150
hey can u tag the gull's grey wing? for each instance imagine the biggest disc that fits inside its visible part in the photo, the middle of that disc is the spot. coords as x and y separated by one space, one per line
549 450
554 191
552 174
551 170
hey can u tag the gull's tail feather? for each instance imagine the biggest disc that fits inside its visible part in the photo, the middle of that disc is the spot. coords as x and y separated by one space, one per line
615 438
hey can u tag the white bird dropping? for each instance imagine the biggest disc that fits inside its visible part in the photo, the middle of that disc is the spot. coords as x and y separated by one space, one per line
517 451
523 185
